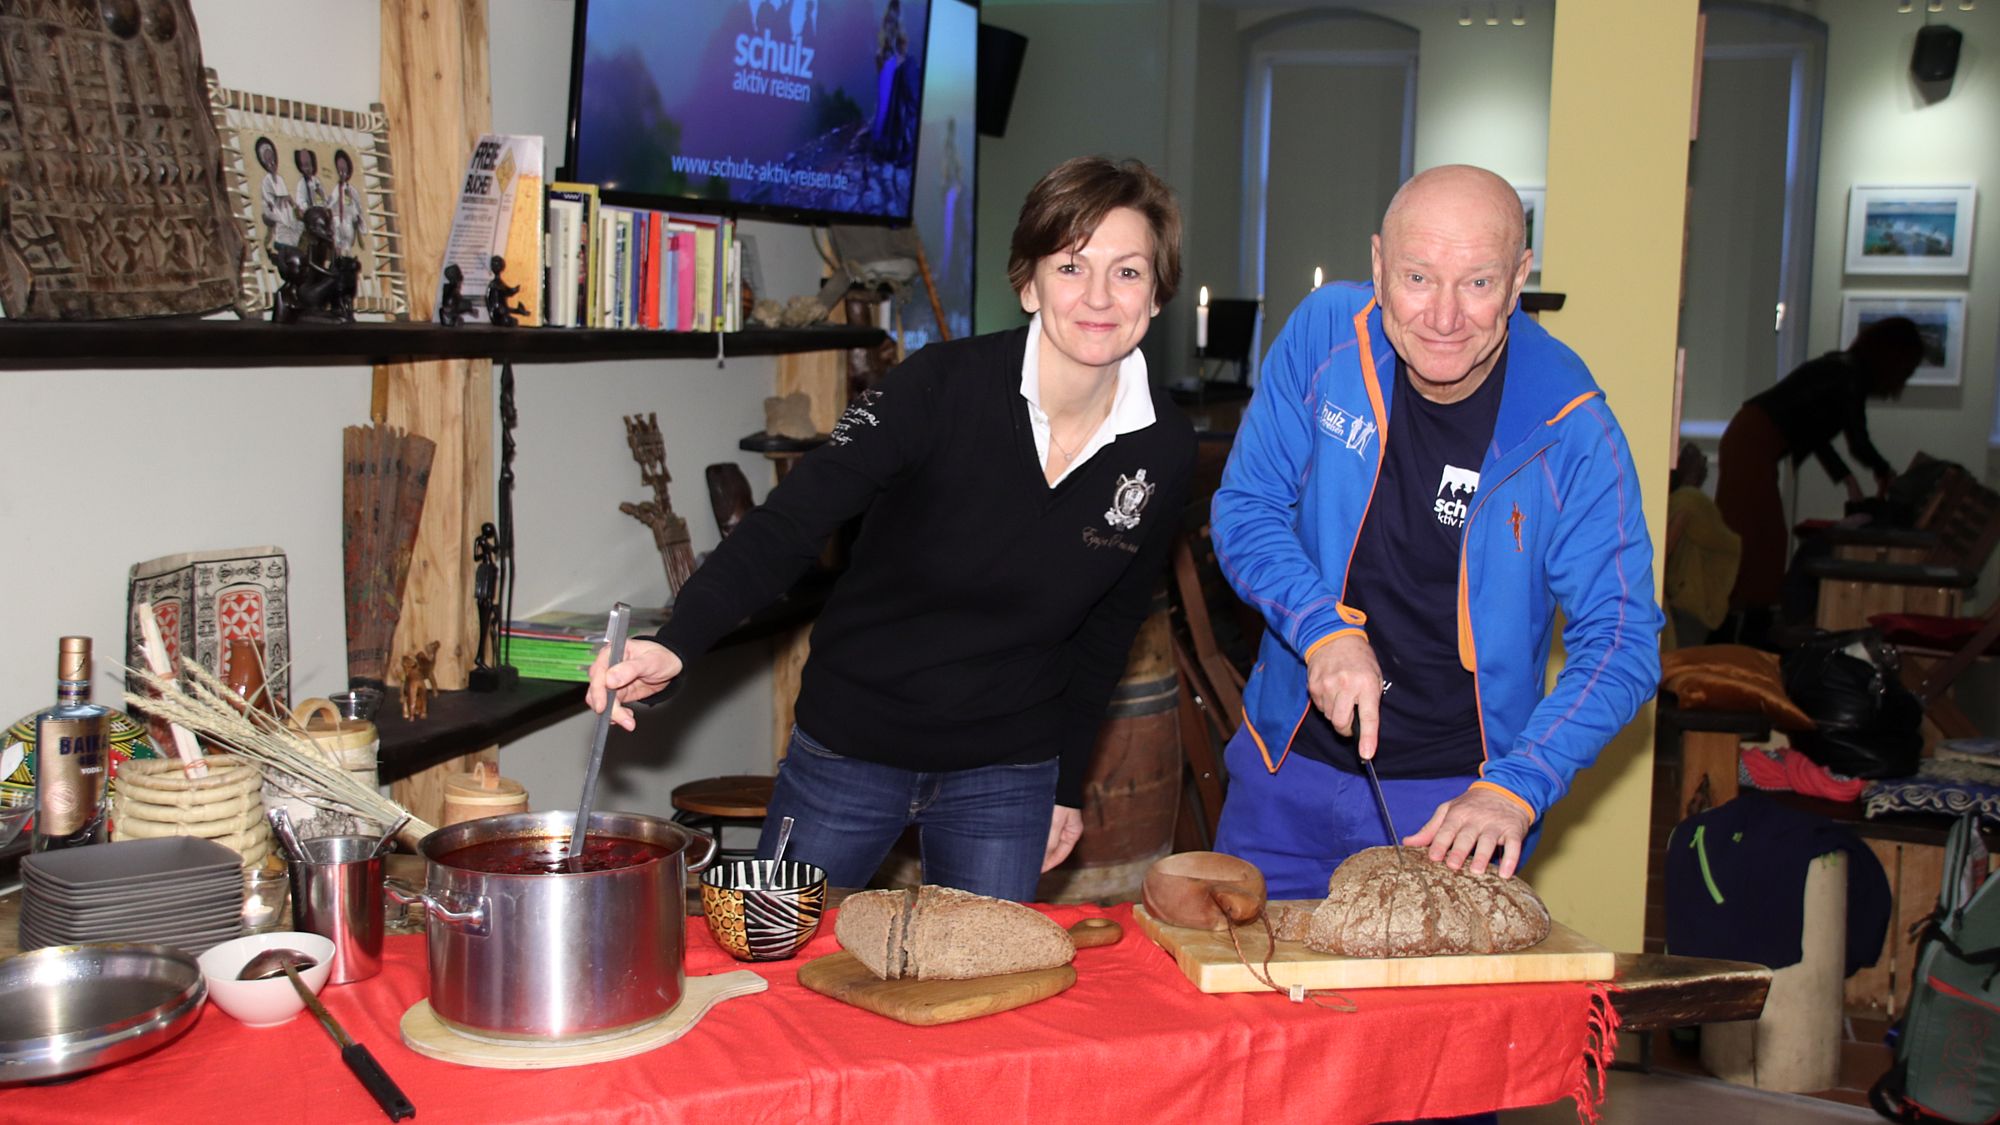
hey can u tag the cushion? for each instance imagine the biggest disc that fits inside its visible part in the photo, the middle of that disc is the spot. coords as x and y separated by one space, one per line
1939 788
1930 631
1731 678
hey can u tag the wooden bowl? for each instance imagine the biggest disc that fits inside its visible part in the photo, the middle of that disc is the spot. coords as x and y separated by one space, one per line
1204 890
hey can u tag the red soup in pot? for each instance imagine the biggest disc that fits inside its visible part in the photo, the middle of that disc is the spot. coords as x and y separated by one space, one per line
549 855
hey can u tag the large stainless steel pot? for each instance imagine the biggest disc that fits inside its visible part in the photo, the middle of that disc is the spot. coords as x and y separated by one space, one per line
562 956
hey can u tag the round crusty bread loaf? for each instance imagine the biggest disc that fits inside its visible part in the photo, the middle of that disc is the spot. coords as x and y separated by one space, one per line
1378 907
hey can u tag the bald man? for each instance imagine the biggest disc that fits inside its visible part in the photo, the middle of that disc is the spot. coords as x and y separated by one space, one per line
1424 478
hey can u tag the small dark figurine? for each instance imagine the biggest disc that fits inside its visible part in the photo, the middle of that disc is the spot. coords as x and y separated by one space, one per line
453 305
319 284
486 596
499 311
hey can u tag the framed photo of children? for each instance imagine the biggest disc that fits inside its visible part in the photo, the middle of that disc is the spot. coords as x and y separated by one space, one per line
1534 201
1940 319
1910 230
310 184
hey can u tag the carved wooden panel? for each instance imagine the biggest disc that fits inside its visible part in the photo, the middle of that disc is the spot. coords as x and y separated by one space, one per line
111 200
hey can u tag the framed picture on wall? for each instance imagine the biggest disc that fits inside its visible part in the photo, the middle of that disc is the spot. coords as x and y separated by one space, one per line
1940 321
282 158
1534 200
1910 230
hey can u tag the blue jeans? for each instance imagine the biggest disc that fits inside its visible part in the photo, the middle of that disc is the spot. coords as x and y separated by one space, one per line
1297 824
982 830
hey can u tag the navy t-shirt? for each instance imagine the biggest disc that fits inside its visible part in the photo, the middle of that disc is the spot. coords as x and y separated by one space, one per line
1404 576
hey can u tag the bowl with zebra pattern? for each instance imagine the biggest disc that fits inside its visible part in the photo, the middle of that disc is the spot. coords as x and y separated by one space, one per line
763 909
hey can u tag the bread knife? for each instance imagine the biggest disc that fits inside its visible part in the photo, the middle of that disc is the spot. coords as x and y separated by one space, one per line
1382 806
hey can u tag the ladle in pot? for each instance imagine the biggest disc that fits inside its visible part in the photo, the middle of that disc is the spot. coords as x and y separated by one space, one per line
287 962
614 632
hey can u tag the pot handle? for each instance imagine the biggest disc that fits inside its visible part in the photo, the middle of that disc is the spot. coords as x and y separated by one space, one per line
707 855
468 919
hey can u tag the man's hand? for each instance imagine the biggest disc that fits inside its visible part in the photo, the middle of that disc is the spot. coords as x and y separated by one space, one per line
1345 683
1478 822
648 666
1065 829
1882 483
1853 487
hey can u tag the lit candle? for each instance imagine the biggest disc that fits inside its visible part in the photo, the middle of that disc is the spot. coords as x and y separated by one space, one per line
1201 321
1319 277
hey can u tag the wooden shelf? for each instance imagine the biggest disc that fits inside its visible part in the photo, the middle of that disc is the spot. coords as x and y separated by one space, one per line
178 342
461 722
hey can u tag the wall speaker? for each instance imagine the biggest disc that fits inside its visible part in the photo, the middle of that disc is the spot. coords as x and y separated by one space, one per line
1000 54
1936 56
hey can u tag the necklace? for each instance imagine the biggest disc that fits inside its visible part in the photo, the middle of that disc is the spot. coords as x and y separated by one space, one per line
1068 457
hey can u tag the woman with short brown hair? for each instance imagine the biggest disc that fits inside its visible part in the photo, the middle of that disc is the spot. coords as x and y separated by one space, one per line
1018 493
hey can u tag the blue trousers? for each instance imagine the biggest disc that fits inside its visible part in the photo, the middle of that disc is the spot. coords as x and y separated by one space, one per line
1298 824
982 830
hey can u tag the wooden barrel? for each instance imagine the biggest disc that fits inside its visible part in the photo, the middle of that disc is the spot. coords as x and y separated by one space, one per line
1133 790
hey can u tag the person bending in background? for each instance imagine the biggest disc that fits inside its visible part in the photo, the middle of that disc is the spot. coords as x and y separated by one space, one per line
1423 479
1797 418
1702 555
1019 493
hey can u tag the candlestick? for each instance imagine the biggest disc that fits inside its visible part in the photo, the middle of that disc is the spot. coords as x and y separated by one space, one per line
1201 321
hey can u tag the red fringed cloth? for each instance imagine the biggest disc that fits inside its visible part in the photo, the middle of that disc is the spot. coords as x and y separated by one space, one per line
1133 1040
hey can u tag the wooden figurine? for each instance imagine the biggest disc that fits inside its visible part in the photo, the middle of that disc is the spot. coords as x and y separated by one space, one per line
670 532
417 682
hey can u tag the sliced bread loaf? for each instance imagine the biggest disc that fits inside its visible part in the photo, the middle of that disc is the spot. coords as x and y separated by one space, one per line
1377 906
938 933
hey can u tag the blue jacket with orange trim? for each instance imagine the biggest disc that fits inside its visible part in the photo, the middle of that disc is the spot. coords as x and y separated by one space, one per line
1557 524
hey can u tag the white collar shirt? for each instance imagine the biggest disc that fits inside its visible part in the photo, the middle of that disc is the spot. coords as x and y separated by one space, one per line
1131 403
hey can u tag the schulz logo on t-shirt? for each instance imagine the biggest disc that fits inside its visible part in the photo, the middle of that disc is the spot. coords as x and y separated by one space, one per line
1455 492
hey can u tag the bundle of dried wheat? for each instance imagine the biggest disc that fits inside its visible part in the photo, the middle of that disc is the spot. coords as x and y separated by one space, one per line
204 705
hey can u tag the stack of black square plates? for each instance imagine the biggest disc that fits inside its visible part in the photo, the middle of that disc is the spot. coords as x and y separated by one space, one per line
178 891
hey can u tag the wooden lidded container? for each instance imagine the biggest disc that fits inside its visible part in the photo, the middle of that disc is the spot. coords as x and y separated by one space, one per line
481 793
349 743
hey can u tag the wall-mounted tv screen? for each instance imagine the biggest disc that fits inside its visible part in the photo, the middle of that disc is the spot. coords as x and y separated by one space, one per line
947 168
803 109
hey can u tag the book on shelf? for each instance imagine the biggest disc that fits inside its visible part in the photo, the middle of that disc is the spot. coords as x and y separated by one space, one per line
498 215
584 628
570 282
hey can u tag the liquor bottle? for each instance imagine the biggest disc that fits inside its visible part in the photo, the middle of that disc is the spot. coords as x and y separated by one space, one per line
72 757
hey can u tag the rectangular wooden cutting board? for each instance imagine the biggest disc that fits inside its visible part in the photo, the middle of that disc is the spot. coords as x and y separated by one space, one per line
1210 961
927 1003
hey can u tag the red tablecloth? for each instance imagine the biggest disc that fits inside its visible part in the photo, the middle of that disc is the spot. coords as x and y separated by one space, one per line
1132 1040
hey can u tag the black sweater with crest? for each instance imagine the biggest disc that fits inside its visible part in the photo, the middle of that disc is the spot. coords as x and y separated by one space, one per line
984 617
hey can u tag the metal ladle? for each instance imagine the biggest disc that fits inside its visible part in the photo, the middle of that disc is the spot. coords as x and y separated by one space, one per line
614 632
287 962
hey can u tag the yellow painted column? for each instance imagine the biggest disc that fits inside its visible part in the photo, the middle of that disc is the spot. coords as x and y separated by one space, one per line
1621 97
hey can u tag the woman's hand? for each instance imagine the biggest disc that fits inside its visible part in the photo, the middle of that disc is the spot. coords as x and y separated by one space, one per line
648 666
1882 483
1065 829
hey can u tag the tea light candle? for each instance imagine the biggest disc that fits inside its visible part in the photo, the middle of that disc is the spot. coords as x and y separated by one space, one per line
1319 277
1201 320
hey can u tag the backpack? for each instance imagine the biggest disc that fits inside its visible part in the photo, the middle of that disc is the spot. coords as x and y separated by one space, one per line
1947 1061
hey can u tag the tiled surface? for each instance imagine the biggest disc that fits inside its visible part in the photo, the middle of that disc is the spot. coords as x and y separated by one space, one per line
1674 1088
1664 1098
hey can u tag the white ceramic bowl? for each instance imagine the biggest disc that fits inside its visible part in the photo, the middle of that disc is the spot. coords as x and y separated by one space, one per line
264 1003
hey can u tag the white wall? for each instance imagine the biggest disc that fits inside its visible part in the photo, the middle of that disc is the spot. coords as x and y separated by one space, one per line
1879 132
1482 98
126 466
